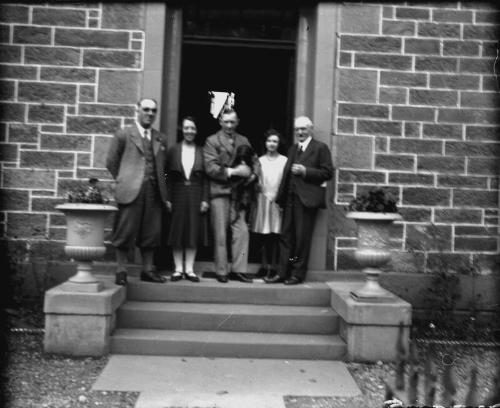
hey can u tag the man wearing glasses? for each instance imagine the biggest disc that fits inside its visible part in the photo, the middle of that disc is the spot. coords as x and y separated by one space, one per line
136 160
301 193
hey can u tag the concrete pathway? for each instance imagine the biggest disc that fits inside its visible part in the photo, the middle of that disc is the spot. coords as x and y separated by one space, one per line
189 382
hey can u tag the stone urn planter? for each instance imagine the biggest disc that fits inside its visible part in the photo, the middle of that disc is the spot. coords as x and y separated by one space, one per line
86 212
85 238
373 212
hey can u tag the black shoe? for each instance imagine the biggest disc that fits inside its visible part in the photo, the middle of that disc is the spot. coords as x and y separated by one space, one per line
221 278
176 276
192 277
238 276
152 276
262 272
271 273
293 281
274 279
121 278
293 260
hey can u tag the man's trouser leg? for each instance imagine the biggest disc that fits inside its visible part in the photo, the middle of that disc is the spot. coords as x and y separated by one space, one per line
125 229
304 218
286 238
219 213
239 243
149 234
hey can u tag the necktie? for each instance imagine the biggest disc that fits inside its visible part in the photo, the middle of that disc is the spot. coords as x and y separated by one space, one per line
299 150
146 134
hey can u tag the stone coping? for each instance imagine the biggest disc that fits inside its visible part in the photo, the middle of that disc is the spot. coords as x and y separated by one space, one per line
389 313
59 300
85 207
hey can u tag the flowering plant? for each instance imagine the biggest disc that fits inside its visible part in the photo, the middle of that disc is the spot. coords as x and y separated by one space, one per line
89 194
374 201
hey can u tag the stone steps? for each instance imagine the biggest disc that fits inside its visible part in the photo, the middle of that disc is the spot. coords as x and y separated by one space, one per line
200 343
236 319
228 317
211 291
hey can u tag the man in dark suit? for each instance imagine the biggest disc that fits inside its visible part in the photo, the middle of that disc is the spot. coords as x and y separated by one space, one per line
301 193
136 160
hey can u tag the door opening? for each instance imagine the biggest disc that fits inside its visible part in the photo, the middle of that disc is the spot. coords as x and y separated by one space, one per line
251 53
260 78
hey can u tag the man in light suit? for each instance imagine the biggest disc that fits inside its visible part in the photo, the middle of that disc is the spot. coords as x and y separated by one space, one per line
301 193
136 160
219 152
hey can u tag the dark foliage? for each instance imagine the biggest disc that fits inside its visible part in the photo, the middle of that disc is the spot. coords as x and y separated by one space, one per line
374 201
89 194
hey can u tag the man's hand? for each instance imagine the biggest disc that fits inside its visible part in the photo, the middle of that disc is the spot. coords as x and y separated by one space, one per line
298 169
168 204
204 206
241 170
250 179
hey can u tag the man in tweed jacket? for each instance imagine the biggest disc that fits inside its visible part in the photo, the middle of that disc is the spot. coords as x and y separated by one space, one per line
136 160
219 152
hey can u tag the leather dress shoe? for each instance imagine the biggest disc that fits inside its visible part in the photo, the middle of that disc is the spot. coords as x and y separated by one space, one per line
274 279
176 276
242 277
270 273
121 278
262 272
152 276
293 281
191 276
221 278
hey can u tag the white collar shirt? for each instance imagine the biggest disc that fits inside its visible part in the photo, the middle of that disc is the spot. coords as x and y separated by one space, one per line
303 145
142 131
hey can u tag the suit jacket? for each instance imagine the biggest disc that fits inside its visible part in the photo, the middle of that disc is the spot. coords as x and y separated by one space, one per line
126 163
175 171
219 154
317 160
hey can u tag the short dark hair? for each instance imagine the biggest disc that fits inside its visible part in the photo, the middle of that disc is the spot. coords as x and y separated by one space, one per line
179 128
229 111
190 118
271 132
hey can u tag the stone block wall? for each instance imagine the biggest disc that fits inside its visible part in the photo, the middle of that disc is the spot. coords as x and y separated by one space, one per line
418 113
70 76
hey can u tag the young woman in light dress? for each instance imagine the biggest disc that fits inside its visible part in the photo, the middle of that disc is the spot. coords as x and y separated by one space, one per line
267 217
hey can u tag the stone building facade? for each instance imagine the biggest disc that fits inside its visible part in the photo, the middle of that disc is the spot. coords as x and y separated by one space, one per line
405 94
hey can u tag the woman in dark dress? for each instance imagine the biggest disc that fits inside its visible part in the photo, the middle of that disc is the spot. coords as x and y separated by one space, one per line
187 190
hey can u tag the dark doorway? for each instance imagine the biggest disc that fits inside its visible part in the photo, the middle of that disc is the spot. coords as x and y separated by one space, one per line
260 78
262 81
249 50
259 71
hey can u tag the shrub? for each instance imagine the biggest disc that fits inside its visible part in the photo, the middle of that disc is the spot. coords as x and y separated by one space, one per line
89 194
374 201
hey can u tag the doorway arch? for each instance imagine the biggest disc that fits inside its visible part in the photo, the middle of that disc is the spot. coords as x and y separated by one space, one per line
315 71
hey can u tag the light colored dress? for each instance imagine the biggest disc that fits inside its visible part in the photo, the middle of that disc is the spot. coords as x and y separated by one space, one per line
268 214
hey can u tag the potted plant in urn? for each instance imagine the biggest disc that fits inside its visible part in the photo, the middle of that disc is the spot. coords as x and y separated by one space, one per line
86 212
374 212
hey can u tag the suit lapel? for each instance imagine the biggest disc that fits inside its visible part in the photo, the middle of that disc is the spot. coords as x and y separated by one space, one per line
177 158
305 154
137 138
198 160
293 155
226 144
155 137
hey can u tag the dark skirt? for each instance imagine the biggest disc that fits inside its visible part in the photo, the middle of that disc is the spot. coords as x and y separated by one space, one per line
188 227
